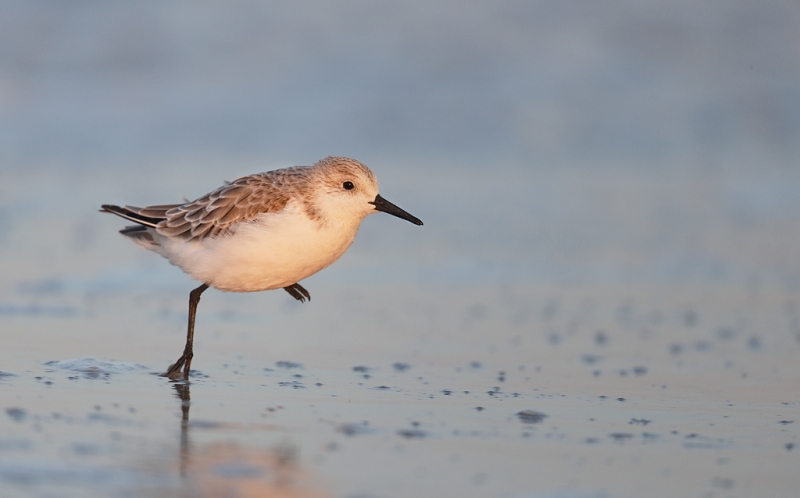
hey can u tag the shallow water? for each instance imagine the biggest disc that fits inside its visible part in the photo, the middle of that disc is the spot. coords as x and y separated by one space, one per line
559 392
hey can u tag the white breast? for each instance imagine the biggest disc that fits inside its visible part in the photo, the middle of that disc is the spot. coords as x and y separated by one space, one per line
275 250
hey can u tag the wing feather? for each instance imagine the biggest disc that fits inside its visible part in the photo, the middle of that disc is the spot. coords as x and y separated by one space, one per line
173 231
241 201
213 214
154 211
220 211
235 213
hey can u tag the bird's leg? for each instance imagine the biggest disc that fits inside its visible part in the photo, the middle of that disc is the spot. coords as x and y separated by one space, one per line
185 360
298 292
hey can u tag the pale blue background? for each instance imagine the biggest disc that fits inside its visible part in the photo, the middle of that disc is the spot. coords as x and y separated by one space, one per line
550 140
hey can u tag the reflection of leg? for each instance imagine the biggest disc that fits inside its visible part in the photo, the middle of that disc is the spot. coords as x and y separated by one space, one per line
185 360
298 292
182 391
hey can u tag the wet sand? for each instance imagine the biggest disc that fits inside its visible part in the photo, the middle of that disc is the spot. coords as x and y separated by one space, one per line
449 392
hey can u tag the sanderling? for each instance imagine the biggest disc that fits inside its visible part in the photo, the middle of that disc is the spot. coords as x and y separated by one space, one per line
260 232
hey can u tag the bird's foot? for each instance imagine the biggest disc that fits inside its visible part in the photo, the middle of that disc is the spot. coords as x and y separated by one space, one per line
174 371
298 292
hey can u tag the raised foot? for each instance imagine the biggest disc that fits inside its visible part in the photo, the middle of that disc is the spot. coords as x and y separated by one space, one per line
298 292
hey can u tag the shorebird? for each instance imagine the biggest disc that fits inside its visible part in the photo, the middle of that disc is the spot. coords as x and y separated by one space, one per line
260 232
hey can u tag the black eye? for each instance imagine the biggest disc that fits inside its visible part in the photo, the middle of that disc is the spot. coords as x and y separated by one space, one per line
348 185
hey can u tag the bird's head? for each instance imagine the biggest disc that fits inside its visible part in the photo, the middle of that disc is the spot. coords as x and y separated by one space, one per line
348 191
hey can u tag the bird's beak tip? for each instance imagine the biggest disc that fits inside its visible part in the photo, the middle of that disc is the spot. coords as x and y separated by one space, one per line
382 204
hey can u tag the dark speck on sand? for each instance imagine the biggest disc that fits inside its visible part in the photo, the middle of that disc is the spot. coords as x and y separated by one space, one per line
353 429
288 364
531 417
411 433
18 414
620 436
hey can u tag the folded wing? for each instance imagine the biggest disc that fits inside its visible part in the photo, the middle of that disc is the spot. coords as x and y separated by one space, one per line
217 212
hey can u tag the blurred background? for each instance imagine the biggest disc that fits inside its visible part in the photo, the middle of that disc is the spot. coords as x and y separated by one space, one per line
542 142
612 238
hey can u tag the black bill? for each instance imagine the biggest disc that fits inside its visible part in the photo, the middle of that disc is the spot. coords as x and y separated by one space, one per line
382 204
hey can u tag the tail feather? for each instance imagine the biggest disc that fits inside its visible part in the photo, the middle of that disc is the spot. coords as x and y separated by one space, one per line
142 236
133 230
131 213
157 212
147 219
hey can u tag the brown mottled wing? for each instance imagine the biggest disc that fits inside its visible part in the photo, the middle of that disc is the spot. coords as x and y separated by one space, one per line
157 211
237 202
153 212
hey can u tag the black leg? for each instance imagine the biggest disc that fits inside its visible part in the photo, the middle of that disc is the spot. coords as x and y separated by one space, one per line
185 360
298 292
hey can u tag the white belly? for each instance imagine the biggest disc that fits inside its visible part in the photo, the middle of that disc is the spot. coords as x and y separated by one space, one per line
276 250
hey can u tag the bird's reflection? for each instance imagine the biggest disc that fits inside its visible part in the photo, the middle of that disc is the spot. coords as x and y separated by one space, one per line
228 469
183 394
